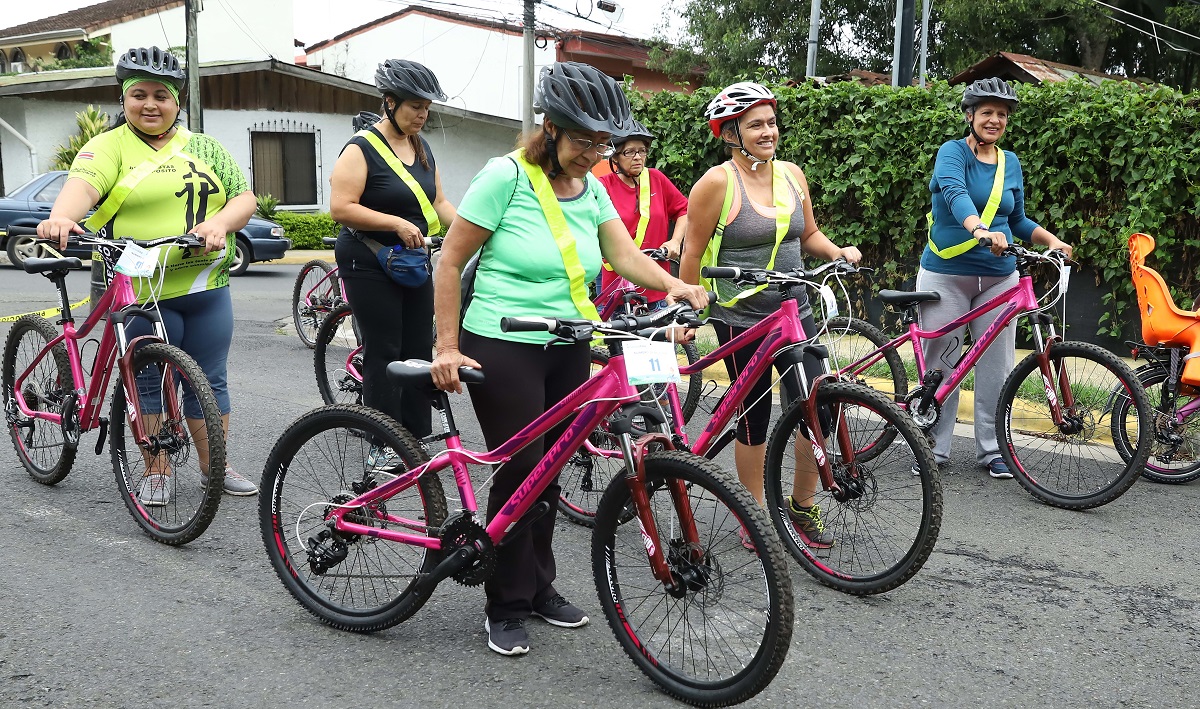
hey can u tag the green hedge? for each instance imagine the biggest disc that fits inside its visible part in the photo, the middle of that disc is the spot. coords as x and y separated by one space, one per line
1099 162
306 230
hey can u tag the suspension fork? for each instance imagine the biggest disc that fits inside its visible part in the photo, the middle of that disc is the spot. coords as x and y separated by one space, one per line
133 401
1050 378
811 415
634 453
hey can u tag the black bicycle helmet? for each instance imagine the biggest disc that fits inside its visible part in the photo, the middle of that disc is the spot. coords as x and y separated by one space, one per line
152 63
579 96
408 80
364 120
993 89
636 131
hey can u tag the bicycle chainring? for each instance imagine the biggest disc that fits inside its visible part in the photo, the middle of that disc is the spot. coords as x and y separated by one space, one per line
460 531
927 420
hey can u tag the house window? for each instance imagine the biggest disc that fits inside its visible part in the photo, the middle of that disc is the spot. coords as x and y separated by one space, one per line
18 61
3 62
284 165
63 52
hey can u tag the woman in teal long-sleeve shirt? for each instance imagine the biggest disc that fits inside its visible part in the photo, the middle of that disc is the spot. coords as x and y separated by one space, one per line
967 274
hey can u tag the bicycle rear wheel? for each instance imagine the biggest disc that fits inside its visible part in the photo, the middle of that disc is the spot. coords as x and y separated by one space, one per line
1175 447
319 462
163 375
336 340
849 339
1077 464
41 446
587 474
720 637
309 309
887 519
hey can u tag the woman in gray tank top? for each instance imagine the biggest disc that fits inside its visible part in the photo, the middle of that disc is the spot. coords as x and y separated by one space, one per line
743 117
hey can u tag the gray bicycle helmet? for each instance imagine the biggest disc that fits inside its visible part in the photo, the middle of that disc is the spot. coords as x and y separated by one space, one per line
579 96
993 89
405 79
636 131
364 120
152 63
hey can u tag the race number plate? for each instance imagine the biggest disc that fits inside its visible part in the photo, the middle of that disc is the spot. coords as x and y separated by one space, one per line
137 262
649 362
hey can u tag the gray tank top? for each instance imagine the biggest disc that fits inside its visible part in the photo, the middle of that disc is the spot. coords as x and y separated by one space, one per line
747 243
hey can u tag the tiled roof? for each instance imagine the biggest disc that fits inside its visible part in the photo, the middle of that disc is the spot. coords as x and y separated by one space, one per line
1022 67
92 17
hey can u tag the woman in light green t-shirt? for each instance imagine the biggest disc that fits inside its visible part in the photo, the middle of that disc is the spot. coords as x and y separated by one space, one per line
523 272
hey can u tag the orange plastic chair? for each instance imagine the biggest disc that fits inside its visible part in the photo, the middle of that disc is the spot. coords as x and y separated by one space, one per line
1162 322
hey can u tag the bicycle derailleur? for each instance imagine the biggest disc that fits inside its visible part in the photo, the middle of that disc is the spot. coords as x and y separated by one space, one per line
462 531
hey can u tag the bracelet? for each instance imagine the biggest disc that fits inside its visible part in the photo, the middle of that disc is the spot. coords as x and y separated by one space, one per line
978 226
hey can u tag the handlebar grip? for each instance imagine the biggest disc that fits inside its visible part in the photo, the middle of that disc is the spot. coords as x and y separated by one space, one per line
728 272
984 241
22 231
528 324
712 297
433 241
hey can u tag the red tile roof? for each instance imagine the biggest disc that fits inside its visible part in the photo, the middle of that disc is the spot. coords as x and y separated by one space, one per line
92 17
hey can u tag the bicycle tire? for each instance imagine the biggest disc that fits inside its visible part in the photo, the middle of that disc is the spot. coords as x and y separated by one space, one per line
195 493
41 446
732 590
888 376
1172 462
333 347
1027 435
587 474
306 471
884 536
307 318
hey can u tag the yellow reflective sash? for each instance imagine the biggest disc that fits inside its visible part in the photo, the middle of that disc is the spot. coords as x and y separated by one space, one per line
557 221
989 213
643 211
116 197
781 177
385 152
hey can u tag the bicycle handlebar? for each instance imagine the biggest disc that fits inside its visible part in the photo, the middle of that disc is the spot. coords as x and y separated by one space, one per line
1028 254
575 330
764 276
187 241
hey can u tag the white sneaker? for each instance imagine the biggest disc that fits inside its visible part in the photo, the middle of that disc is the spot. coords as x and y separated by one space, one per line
155 490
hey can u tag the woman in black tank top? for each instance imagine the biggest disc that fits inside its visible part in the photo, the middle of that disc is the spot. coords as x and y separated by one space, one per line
370 199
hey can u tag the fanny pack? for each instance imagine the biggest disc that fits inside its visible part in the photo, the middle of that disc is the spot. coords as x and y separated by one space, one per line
407 267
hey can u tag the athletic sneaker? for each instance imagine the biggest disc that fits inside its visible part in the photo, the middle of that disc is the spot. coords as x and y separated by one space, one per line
747 542
155 490
509 637
998 469
943 468
382 458
559 611
807 521
234 483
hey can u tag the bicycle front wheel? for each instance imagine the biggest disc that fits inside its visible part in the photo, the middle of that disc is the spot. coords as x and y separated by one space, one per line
326 458
171 485
849 340
586 475
338 367
313 299
41 446
1075 464
1175 448
883 520
720 634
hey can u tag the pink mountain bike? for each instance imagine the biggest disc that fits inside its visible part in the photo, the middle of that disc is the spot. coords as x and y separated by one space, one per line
363 545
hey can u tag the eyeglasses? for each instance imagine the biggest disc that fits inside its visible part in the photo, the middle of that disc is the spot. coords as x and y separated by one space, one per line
604 150
640 152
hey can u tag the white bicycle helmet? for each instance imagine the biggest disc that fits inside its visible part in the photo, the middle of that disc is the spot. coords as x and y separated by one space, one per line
733 101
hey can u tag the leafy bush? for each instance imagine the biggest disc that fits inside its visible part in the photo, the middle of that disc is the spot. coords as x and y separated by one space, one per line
306 230
267 206
1100 162
91 122
94 53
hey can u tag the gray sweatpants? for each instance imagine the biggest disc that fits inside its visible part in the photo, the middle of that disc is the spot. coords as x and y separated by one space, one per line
960 294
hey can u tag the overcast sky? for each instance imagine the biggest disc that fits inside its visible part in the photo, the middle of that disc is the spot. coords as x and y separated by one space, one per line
316 20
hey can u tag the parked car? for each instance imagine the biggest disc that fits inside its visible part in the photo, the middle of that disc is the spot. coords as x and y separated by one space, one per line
260 240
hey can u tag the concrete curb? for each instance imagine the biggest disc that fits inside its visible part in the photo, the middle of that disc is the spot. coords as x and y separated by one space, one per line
300 256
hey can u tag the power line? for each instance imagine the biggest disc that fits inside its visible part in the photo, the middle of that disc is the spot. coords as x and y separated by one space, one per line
1153 23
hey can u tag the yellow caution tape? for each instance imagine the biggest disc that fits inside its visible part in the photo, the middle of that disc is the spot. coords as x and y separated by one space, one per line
48 313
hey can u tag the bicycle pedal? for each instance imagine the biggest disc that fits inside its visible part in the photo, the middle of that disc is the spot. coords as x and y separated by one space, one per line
103 435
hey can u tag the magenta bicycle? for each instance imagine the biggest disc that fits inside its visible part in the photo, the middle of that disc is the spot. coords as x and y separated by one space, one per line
317 293
356 525
170 466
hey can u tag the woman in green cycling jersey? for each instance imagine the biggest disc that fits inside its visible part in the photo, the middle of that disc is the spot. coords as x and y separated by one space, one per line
528 268
151 177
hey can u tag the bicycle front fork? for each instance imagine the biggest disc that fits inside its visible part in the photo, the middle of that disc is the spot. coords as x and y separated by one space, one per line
1056 384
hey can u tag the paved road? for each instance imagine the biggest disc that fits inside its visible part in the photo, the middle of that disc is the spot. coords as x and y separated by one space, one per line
1020 605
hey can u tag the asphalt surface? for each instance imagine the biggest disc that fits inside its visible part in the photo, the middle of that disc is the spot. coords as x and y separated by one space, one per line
1019 605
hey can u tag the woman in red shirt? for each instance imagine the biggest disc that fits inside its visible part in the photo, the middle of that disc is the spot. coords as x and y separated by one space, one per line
646 219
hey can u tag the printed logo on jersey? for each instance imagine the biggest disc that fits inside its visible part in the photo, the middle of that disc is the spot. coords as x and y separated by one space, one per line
85 156
197 187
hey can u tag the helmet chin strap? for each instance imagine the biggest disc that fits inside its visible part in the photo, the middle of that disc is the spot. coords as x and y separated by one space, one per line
754 160
556 167
390 112
979 141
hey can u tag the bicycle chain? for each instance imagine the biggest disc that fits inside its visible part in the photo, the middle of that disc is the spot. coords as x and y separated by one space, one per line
463 531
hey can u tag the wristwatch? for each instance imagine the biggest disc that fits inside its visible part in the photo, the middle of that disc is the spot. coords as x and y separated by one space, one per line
979 226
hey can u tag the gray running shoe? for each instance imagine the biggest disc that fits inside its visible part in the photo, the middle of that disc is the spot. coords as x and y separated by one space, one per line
508 637
383 458
234 484
559 611
155 490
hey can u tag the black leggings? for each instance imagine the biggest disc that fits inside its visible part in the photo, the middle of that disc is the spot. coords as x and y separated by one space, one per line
753 422
396 324
522 381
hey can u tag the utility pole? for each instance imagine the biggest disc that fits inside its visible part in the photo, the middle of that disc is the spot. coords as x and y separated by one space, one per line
814 26
527 83
908 30
924 38
194 111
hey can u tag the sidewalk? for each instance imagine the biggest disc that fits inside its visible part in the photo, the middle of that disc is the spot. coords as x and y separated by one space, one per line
299 257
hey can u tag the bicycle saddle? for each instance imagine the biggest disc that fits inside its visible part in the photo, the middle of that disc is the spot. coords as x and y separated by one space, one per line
45 265
1163 323
899 297
416 374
